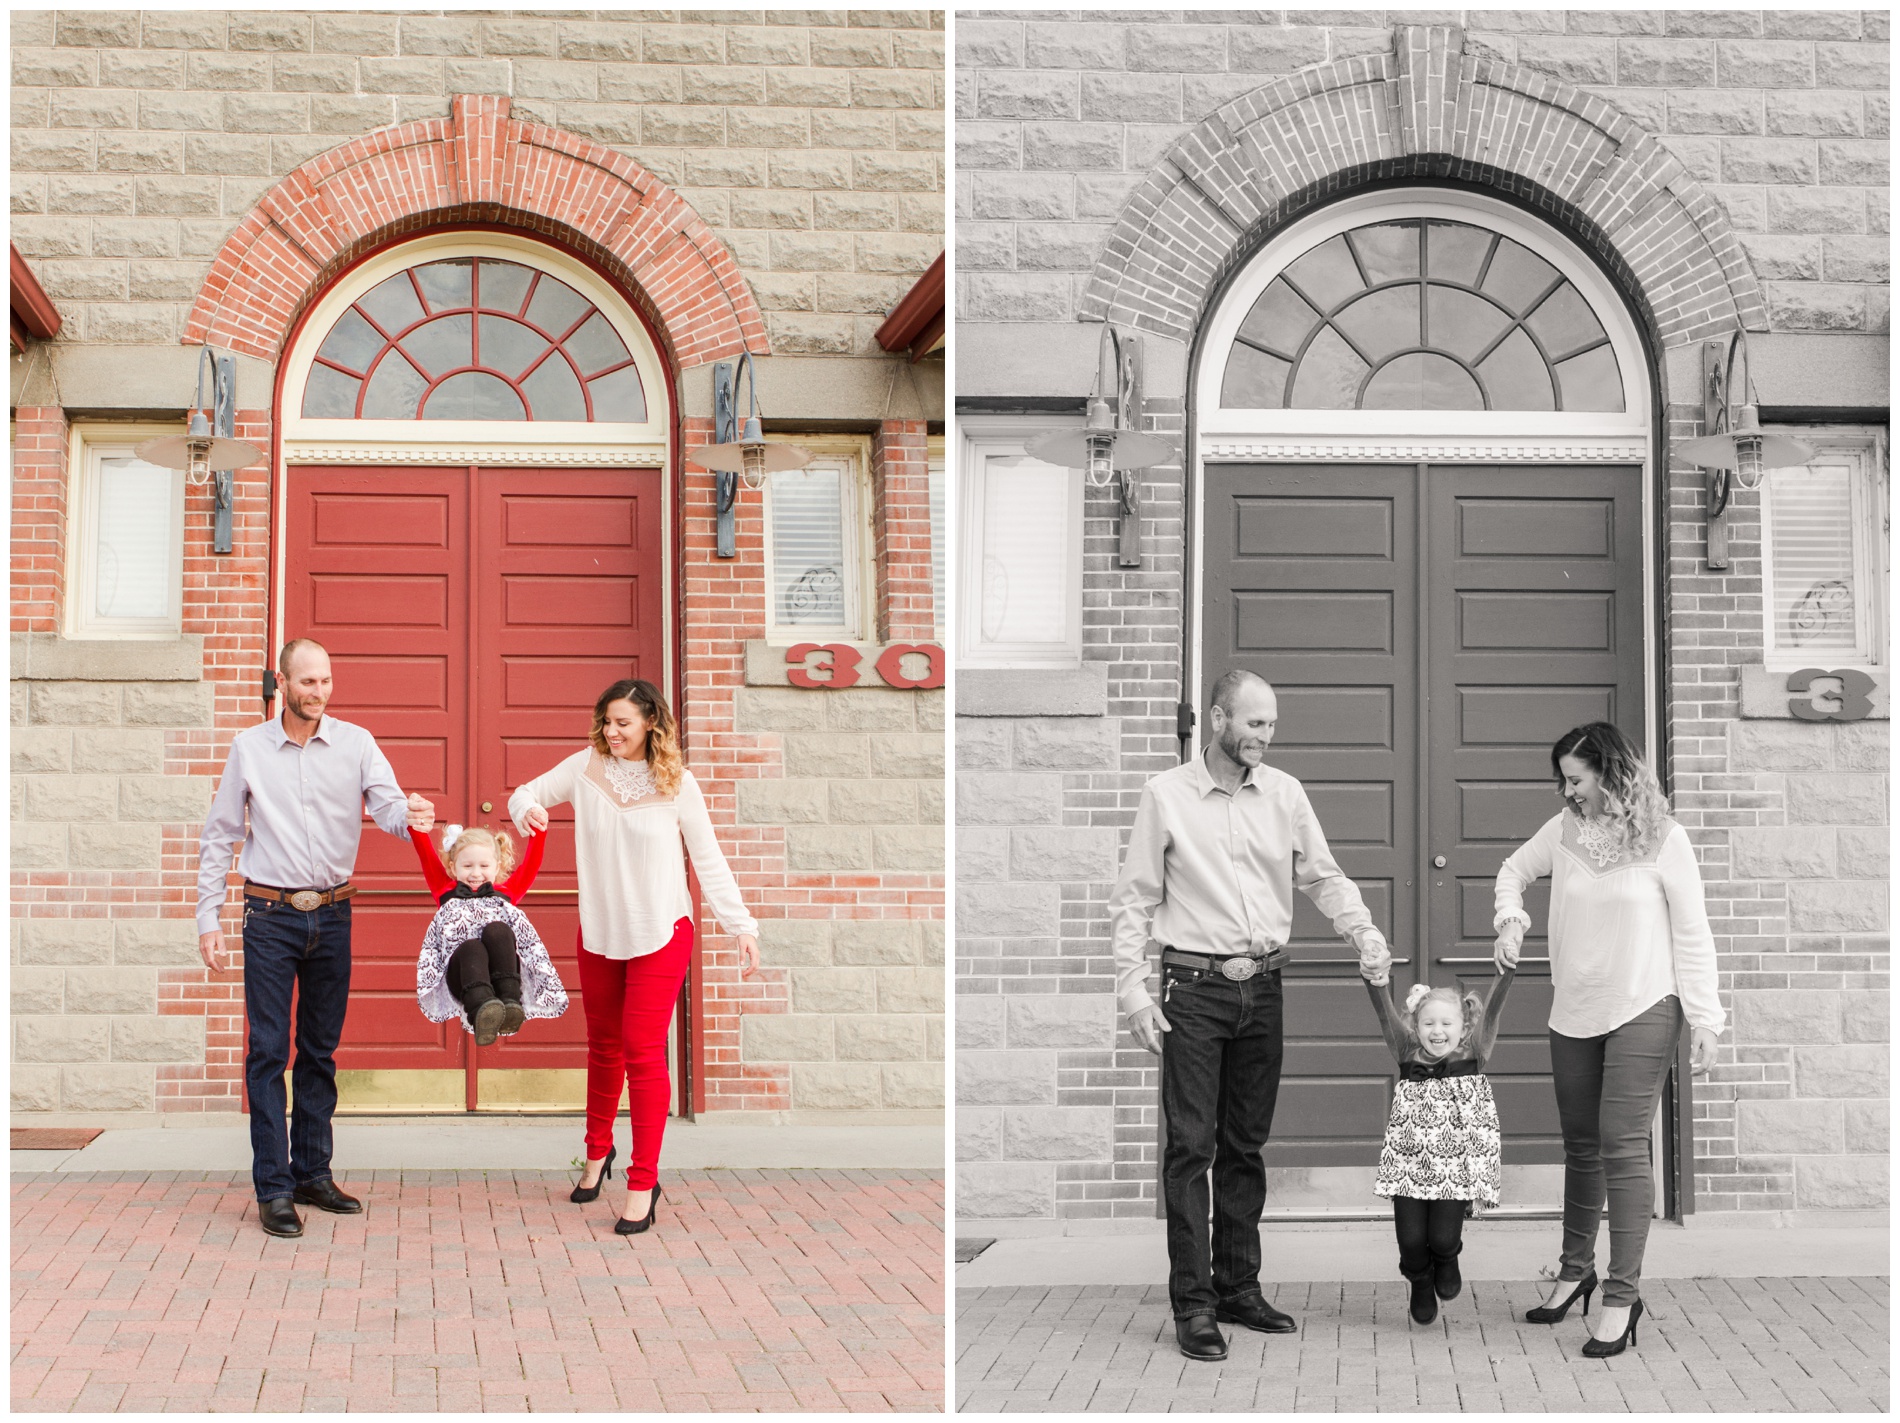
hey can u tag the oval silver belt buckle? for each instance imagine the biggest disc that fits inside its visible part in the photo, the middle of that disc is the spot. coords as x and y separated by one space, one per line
306 900
1239 968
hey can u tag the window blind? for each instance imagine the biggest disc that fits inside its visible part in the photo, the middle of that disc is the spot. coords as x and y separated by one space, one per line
937 604
136 542
1024 594
808 547
1813 583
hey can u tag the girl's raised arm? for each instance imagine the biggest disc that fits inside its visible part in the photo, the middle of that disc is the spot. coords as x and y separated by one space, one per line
1494 1012
437 875
517 883
1390 1023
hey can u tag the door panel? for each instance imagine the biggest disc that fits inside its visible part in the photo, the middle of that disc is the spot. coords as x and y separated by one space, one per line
472 618
1429 632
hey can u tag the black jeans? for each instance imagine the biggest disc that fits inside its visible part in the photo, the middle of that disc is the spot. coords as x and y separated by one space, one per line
1220 1077
1607 1089
286 948
484 968
1430 1233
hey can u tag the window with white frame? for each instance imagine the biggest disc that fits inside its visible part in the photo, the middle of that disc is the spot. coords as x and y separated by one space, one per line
817 536
939 610
126 537
1020 591
1824 553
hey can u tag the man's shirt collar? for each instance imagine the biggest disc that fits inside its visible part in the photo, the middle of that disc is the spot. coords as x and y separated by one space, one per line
281 738
1205 784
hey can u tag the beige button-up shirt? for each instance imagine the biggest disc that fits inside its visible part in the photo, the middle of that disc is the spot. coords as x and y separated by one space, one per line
1214 873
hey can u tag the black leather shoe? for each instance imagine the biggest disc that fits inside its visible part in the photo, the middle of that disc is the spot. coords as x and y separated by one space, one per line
513 1015
1200 1338
279 1217
326 1197
1255 1313
1446 1279
1424 1300
487 1021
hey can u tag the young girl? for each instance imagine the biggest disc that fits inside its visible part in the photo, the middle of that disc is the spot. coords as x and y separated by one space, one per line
481 958
1441 1146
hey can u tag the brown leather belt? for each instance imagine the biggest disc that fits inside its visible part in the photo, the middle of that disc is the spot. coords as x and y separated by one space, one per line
304 899
1235 966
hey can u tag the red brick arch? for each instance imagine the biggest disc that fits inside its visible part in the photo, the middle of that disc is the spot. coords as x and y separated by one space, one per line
477 165
1426 110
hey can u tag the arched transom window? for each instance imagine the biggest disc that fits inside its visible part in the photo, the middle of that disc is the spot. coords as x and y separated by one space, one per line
1421 314
474 338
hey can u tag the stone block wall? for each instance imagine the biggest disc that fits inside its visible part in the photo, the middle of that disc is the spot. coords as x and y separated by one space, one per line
810 141
1783 115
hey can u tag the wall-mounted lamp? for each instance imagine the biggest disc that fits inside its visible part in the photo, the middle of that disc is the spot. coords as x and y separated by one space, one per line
1735 451
1111 438
207 448
740 454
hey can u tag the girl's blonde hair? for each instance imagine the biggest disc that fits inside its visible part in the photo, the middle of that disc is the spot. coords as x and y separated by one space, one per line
1469 1004
456 838
663 745
1633 804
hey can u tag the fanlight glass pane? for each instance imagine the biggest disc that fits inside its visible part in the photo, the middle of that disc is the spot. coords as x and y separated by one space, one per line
596 346
1024 594
442 345
135 515
617 396
352 343
508 346
445 285
1422 380
1501 329
393 391
807 510
555 306
392 304
504 285
474 395
554 393
330 395
1811 531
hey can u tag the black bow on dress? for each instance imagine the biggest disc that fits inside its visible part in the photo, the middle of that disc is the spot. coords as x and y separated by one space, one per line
1444 1067
462 891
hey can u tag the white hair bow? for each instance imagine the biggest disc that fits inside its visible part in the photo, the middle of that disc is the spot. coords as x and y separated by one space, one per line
1415 996
450 834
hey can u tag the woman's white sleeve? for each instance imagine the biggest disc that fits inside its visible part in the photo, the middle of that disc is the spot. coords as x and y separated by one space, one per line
1692 942
709 863
553 787
1529 863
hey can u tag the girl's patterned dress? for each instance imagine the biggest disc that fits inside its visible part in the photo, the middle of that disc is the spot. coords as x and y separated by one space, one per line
1442 1141
463 915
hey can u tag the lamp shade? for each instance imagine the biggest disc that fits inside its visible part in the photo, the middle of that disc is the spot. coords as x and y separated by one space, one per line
1070 448
1724 450
175 452
730 458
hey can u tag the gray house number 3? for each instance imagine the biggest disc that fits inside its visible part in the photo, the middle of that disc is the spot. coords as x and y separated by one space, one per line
1854 695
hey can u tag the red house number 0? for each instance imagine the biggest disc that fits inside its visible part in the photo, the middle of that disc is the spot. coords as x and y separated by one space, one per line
841 661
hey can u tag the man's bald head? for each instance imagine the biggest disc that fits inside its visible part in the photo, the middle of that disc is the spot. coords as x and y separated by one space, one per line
1229 685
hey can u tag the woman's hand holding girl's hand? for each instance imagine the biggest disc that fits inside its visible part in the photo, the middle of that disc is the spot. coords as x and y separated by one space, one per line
1701 1049
1375 962
536 819
1510 944
748 955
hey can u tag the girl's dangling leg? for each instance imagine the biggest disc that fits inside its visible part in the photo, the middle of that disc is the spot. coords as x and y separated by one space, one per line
1412 1220
1445 1236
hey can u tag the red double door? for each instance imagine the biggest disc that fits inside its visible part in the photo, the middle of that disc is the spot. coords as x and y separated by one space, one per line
472 616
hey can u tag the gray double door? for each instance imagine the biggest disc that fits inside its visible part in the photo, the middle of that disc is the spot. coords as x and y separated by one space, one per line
1430 631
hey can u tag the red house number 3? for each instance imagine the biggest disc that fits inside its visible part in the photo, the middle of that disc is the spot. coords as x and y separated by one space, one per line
841 661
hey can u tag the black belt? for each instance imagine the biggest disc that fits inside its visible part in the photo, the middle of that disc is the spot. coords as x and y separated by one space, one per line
304 899
1234 966
1426 1072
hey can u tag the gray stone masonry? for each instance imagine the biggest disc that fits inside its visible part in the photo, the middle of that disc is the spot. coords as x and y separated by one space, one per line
863 791
90 800
811 141
1781 114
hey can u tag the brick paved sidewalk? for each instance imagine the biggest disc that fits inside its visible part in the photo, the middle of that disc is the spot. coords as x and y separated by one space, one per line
468 1291
1708 1345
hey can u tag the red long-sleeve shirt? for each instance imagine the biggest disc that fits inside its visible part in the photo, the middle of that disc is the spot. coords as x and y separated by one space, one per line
441 882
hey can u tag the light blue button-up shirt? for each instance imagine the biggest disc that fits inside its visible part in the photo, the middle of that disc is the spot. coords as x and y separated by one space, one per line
306 809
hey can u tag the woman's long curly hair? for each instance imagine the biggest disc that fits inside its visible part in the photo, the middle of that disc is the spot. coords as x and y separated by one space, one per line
1633 804
1469 1004
663 745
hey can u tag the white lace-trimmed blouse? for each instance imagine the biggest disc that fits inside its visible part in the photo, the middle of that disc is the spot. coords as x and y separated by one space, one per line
630 858
1622 937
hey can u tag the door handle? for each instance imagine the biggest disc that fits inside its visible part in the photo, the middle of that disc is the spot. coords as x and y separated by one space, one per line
489 805
1438 860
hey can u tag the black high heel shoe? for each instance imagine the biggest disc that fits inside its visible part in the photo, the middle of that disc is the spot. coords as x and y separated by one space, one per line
623 1226
1610 1348
1550 1314
581 1195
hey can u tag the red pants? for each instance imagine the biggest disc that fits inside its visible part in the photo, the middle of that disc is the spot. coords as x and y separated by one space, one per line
628 1003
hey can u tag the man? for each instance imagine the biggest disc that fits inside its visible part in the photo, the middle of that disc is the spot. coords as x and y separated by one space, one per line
1219 844
304 778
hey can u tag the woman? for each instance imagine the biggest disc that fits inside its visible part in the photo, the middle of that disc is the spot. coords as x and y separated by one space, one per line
634 804
1631 956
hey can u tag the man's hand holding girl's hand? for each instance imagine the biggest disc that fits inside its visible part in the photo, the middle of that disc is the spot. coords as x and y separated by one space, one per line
1375 960
421 814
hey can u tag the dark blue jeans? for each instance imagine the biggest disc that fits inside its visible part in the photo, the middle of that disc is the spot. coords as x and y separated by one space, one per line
286 948
1220 1077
